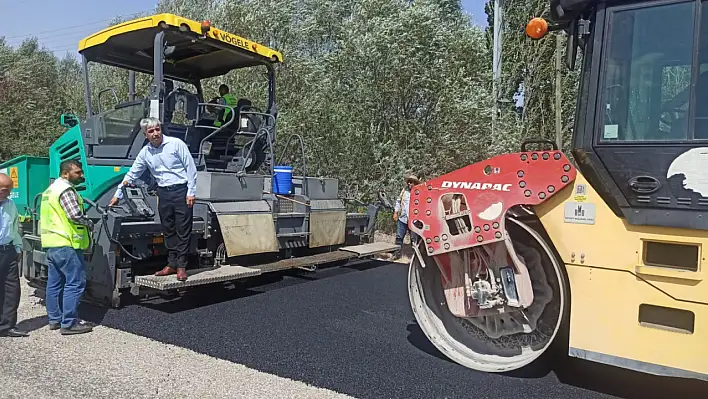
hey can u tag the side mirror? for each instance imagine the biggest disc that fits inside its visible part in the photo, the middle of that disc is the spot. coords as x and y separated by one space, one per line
69 120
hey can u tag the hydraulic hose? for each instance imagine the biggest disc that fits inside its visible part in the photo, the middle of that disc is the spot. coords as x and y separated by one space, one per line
104 218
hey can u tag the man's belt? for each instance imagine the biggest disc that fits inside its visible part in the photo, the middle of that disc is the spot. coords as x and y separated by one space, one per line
173 187
6 247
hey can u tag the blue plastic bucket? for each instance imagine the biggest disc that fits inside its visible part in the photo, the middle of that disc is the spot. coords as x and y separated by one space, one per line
282 180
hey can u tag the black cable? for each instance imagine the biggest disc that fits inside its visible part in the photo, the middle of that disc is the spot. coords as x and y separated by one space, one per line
104 218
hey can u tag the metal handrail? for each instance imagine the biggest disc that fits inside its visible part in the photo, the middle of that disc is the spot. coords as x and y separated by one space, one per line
237 133
35 228
250 150
259 132
220 128
304 162
232 117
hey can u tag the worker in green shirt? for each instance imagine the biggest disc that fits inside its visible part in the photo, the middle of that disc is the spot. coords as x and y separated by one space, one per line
225 99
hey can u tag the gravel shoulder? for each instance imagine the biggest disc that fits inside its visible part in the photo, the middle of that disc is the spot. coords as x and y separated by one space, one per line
406 253
109 363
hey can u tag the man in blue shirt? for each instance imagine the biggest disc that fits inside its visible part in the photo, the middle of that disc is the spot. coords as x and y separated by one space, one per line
10 256
169 161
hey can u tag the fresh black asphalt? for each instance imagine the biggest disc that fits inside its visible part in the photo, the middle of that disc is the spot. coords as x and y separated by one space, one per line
350 329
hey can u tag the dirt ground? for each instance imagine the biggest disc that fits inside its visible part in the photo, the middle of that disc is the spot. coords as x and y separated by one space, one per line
407 252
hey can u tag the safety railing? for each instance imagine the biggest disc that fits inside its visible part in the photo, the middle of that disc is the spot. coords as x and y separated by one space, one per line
218 129
262 131
302 152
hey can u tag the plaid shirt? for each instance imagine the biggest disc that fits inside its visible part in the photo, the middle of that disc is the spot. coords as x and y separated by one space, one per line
70 203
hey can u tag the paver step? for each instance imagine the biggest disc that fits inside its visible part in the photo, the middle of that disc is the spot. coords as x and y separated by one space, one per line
197 277
235 272
371 248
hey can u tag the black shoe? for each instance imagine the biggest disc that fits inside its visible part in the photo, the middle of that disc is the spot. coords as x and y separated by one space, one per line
54 326
13 332
77 328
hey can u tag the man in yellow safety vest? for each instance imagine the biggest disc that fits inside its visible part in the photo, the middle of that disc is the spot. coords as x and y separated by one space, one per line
225 99
64 233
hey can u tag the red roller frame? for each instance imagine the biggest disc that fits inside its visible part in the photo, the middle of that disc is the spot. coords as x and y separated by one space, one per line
489 188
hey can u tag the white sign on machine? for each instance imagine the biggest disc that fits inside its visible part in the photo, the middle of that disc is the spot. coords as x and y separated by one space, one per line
154 109
579 213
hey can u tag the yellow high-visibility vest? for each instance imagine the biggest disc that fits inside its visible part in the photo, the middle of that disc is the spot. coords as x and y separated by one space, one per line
56 229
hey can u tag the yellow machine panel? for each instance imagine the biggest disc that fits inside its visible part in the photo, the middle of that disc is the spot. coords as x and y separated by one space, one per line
639 298
257 228
327 228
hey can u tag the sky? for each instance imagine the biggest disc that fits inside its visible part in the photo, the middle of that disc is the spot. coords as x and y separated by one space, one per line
60 24
474 7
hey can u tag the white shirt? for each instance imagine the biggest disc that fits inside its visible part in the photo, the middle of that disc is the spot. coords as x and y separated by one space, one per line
9 226
170 164
402 205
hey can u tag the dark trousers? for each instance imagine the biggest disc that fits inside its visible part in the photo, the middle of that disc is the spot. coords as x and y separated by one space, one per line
176 219
9 288
401 231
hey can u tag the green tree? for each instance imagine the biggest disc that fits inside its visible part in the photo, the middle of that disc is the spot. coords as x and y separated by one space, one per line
531 62
376 88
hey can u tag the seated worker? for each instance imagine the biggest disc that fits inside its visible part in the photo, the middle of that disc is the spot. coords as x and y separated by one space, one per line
225 99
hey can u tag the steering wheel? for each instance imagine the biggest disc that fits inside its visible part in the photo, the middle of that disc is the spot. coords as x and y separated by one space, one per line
673 115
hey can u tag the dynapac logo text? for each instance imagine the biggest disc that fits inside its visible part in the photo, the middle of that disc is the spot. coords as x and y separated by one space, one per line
476 185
